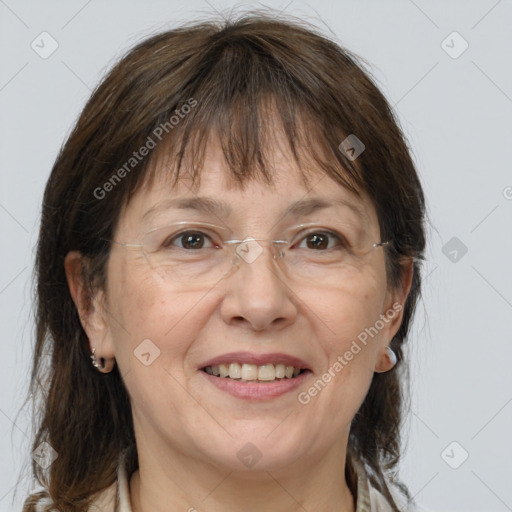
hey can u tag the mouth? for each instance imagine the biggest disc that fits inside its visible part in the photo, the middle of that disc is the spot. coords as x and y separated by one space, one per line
255 376
247 372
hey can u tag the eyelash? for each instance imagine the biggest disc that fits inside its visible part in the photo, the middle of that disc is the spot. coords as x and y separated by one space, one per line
340 238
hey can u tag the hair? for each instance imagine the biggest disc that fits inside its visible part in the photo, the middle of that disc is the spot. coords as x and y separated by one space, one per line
238 76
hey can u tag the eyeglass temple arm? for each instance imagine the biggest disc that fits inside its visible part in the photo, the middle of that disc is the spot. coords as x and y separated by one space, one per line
382 244
120 243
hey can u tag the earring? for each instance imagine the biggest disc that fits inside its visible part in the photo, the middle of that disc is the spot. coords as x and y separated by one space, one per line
392 360
392 356
97 364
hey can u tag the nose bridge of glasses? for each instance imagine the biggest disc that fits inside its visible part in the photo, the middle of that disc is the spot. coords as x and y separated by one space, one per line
250 248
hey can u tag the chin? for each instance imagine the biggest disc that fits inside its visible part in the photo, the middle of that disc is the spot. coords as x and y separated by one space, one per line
258 448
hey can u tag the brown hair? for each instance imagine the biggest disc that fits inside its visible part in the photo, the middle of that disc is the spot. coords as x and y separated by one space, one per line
233 70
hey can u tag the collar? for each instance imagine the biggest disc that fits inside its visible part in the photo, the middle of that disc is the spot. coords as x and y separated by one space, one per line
356 475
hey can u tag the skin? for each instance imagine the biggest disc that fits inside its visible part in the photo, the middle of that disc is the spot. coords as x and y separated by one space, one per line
188 432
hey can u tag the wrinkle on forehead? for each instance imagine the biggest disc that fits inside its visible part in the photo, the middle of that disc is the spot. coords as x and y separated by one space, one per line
257 204
179 165
249 136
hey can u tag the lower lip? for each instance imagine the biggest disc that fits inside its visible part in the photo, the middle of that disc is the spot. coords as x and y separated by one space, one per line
256 390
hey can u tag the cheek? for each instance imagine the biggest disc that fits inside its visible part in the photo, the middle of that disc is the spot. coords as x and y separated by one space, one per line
144 307
152 328
347 310
343 318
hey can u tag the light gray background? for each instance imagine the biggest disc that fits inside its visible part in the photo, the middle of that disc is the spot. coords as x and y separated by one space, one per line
456 113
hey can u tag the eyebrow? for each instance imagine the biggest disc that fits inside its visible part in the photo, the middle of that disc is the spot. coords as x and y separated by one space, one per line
221 209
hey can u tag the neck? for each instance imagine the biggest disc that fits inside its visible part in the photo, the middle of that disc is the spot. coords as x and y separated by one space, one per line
185 484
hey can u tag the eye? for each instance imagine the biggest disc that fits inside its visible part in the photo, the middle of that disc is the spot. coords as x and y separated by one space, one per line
190 240
319 240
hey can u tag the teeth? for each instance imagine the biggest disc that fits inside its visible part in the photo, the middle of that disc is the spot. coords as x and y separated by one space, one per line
224 370
280 374
252 372
249 372
235 371
267 372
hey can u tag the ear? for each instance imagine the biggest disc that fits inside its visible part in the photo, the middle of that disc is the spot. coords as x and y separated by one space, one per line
91 308
393 312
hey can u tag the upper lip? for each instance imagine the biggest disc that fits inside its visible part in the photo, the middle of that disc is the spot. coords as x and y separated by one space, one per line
257 359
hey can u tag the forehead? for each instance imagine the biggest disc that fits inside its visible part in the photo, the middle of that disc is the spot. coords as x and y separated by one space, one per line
291 194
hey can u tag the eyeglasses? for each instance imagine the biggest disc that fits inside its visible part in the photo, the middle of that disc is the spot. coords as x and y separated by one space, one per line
198 253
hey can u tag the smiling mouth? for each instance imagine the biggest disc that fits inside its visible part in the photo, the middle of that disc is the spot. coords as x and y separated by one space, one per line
253 373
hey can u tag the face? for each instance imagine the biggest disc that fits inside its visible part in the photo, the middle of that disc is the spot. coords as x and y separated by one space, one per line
166 334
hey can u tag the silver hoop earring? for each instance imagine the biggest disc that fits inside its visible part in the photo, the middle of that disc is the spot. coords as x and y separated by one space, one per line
392 356
392 360
95 362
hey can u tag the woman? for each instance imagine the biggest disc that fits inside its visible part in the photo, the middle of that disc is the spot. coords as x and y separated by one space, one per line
227 269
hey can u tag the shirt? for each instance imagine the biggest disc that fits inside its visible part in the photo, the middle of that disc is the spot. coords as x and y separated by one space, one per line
116 497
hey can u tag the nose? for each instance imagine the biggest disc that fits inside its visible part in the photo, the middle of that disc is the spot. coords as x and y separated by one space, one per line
258 295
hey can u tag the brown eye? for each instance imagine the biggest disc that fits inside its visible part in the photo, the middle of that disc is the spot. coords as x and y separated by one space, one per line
188 240
319 240
316 241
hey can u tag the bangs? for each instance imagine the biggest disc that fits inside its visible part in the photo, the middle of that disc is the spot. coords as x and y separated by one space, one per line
248 133
244 100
